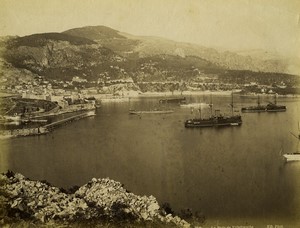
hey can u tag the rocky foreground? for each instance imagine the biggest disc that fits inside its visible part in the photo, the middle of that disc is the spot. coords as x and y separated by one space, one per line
100 200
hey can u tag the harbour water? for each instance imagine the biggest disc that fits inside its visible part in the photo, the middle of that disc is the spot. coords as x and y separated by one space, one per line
225 174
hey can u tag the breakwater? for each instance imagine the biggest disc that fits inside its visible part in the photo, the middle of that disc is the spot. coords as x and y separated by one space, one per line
43 129
23 132
69 119
100 199
67 109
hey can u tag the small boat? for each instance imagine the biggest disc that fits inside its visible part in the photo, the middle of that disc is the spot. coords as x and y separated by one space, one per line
292 156
273 107
253 109
173 100
135 112
194 105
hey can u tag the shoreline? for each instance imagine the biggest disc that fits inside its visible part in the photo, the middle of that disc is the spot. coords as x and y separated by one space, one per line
190 93
108 96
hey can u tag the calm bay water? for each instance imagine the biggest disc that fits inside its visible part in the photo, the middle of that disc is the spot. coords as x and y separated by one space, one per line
235 172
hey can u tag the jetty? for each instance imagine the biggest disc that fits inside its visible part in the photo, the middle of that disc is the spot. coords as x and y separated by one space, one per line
4 134
69 119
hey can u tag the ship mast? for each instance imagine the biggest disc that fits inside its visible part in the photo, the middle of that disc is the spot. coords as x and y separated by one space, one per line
298 130
200 112
231 103
129 104
258 100
210 105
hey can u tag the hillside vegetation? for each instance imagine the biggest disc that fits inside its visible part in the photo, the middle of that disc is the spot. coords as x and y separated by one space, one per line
99 53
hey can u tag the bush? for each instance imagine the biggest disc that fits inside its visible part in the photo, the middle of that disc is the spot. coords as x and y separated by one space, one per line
167 208
119 214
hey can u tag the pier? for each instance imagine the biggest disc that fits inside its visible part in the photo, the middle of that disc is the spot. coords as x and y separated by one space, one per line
69 119
42 129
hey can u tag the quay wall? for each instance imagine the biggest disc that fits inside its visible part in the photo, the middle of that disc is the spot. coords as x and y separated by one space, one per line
42 129
69 119
67 109
23 132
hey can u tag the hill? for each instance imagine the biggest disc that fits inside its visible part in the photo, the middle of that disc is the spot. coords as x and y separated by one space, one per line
139 46
99 53
107 37
94 33
63 56
55 55
37 40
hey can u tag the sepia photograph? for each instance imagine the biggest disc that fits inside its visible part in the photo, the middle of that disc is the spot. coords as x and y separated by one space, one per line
150 113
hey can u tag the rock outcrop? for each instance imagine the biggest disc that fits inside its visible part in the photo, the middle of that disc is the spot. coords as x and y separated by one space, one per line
99 200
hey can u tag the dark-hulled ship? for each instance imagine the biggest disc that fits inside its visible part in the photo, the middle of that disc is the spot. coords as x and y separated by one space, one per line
273 107
216 120
257 108
173 100
276 108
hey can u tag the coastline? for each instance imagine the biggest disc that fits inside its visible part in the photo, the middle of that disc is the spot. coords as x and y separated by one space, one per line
193 93
110 97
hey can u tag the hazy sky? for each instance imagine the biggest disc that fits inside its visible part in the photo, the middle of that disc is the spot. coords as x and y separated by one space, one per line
273 25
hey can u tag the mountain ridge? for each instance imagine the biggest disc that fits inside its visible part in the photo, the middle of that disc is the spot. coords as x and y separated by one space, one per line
94 32
41 39
150 45
94 51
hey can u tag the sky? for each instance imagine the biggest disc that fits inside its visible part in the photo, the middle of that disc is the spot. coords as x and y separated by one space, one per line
271 25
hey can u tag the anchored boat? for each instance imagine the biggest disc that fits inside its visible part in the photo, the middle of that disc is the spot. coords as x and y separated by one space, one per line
153 110
215 120
194 105
273 107
253 109
292 156
296 155
135 112
174 100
